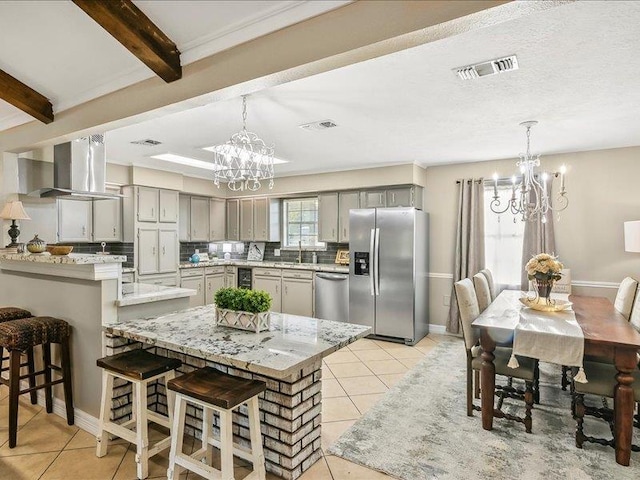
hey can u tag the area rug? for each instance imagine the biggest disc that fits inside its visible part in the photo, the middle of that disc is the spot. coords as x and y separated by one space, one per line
419 430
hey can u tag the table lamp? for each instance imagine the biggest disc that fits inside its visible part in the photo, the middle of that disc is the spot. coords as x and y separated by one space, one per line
632 236
14 211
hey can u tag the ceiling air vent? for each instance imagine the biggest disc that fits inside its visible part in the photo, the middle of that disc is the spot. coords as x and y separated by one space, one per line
147 142
499 65
321 125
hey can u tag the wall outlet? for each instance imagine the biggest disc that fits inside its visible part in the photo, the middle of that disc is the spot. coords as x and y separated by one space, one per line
446 300
276 252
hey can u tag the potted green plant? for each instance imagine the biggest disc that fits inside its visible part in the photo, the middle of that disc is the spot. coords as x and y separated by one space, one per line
242 308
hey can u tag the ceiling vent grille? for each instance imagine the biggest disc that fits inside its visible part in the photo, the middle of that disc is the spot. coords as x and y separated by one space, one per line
147 142
321 125
499 65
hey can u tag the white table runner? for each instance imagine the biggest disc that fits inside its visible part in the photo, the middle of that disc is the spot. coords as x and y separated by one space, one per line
553 337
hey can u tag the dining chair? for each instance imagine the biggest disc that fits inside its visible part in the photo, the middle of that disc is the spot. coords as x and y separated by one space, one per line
483 292
469 310
626 296
602 383
492 286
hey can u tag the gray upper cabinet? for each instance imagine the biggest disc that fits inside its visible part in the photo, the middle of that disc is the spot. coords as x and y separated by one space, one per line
233 220
266 219
402 197
107 220
184 218
346 202
167 250
373 199
75 220
168 209
407 196
328 217
199 219
217 219
246 219
147 204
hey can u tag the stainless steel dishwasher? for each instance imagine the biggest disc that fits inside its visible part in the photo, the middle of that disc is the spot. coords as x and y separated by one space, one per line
332 296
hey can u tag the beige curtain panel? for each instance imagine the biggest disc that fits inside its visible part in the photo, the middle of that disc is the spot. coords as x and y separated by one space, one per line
469 255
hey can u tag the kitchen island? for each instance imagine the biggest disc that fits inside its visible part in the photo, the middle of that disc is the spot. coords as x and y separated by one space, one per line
288 358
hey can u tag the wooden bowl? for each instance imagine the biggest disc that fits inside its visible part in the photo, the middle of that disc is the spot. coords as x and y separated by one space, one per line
59 249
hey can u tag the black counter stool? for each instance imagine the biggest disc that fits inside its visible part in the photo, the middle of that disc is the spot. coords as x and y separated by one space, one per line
20 336
215 391
140 368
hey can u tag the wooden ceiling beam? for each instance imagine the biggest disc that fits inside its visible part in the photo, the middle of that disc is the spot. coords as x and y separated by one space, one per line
25 98
133 29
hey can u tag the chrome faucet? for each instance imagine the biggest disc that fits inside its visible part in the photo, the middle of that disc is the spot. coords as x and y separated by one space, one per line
299 251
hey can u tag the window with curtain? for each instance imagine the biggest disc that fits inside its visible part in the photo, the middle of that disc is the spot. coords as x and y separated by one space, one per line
503 240
301 223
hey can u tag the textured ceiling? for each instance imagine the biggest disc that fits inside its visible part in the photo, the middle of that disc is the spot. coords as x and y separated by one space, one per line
578 77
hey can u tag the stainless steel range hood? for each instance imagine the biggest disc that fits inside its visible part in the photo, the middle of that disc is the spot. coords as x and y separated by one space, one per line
79 171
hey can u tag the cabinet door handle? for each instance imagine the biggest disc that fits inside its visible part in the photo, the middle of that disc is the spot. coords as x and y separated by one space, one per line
153 250
286 290
152 211
163 250
333 233
84 230
393 198
276 288
344 232
114 231
164 213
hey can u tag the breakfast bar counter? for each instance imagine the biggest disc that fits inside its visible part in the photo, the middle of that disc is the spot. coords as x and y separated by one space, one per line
288 357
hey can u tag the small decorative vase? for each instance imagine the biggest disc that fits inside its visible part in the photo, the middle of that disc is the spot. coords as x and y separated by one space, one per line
195 258
36 245
543 287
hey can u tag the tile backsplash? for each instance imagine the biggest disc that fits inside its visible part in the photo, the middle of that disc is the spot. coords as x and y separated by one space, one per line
324 256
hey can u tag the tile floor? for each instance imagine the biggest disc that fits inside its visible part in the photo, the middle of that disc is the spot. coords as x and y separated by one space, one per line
354 379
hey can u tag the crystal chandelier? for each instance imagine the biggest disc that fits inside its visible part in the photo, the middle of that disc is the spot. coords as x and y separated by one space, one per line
244 161
529 197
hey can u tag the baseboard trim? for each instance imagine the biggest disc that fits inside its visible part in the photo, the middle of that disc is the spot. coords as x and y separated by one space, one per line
82 419
438 329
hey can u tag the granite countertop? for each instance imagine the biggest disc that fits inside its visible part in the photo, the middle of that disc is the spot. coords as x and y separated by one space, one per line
71 259
137 293
128 269
292 342
318 267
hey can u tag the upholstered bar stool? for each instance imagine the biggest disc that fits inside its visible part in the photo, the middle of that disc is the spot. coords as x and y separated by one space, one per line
215 391
19 336
14 313
140 368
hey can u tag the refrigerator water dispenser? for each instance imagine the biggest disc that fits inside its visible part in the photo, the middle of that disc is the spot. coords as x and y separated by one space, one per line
361 266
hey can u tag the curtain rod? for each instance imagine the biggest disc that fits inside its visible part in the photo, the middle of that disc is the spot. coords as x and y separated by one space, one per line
479 180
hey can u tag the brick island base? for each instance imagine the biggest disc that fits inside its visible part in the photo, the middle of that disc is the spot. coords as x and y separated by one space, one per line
290 409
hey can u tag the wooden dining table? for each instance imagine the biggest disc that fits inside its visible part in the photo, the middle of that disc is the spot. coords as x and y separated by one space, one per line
607 334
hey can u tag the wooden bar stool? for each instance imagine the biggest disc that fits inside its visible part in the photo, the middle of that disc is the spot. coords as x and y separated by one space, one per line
20 336
215 391
140 368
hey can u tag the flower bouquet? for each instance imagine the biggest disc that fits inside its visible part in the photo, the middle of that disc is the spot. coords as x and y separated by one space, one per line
543 270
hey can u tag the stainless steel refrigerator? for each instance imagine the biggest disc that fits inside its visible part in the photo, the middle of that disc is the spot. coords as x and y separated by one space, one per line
388 283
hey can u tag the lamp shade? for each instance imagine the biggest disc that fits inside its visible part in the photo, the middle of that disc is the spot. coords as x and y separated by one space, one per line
14 211
632 236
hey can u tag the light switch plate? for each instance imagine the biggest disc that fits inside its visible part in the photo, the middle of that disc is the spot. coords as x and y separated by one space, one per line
446 300
276 252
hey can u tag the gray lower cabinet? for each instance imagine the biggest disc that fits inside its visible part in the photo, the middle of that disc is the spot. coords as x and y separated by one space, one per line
197 284
270 281
230 277
213 283
167 250
297 293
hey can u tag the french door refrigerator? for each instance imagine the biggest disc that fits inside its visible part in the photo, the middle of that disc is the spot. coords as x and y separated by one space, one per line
388 287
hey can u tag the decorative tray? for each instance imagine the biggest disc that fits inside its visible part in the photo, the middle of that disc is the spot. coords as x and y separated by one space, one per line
542 305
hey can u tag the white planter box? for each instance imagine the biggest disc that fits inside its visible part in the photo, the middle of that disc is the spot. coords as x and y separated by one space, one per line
256 322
